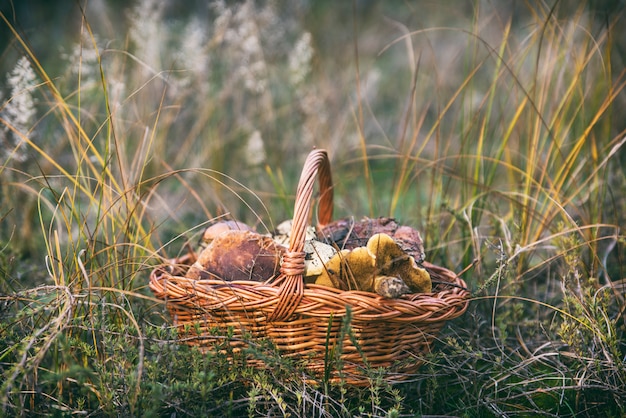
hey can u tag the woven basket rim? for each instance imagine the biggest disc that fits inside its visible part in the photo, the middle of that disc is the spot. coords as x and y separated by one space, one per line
168 282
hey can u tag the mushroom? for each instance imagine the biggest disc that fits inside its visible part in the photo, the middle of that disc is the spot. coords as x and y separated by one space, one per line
317 252
282 233
238 255
392 260
219 228
349 269
331 275
391 287
378 267
348 234
317 255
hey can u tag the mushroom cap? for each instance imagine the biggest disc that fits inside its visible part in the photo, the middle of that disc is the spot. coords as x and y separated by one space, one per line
317 255
385 250
282 233
218 228
238 255
331 275
349 270
360 269
392 260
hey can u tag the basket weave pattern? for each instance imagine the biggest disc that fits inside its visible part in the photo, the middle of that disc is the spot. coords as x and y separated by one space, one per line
304 320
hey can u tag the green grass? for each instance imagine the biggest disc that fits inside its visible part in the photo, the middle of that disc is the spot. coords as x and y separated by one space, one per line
498 133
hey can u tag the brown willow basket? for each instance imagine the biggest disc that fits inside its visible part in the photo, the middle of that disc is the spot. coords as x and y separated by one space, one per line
306 320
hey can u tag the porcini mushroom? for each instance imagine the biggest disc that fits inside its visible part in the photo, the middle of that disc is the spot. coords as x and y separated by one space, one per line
238 255
218 228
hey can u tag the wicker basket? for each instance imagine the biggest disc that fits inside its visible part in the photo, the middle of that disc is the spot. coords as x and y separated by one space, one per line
305 320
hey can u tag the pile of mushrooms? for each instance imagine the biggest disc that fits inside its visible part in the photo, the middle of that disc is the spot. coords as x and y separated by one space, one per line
371 255
381 266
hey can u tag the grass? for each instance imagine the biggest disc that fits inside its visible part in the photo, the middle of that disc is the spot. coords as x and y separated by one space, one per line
498 133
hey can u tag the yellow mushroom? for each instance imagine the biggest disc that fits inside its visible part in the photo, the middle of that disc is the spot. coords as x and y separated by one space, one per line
360 270
332 274
349 270
385 250
382 267
391 260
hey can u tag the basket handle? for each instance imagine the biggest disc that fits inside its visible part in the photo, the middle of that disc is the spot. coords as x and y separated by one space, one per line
291 280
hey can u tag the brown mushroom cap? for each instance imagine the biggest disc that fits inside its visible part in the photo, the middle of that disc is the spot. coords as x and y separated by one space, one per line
218 228
238 255
410 241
